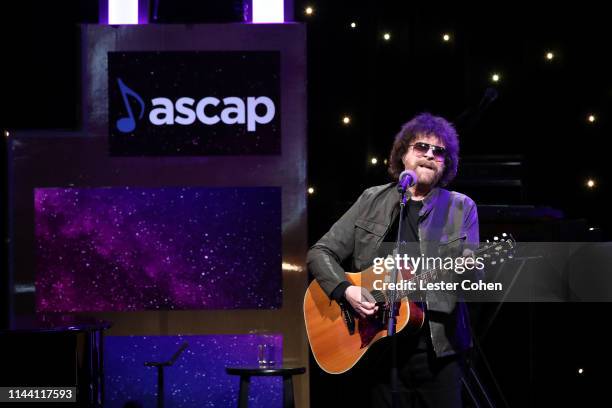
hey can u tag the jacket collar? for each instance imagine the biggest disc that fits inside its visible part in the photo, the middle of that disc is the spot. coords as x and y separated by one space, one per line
429 201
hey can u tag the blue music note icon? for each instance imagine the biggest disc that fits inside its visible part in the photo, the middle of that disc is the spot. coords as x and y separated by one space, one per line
128 124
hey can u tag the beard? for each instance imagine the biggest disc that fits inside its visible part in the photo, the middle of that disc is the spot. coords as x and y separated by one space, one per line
428 174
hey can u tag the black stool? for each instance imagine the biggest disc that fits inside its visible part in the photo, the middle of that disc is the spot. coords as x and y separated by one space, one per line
246 373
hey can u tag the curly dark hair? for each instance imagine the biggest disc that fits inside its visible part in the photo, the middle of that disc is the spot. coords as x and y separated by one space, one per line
426 124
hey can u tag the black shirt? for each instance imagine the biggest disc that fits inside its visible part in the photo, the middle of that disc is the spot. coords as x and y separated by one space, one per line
410 233
409 236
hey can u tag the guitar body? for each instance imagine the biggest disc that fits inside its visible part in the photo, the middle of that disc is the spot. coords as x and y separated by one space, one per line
335 349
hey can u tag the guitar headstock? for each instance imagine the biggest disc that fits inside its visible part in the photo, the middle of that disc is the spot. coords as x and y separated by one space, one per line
497 249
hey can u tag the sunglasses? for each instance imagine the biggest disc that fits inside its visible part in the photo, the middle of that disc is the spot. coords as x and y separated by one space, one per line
422 149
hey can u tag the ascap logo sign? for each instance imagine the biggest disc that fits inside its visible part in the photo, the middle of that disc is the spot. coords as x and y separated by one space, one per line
194 103
184 111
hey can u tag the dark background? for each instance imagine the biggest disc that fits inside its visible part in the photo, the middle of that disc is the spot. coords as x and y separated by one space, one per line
540 114
539 117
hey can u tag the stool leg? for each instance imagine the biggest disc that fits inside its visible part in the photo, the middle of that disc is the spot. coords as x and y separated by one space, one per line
288 401
160 386
243 394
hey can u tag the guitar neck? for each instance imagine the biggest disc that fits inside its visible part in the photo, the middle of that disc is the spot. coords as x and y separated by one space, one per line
427 276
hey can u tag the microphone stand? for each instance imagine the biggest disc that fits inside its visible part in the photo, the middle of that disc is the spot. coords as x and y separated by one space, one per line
392 320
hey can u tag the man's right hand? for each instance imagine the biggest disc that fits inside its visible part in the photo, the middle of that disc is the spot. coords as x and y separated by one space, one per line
361 300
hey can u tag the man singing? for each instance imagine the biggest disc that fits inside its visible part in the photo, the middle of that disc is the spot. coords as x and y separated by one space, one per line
435 220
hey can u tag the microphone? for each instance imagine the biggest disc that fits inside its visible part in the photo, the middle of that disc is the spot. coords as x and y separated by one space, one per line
407 178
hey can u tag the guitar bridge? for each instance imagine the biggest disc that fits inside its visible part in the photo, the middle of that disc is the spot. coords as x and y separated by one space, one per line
348 318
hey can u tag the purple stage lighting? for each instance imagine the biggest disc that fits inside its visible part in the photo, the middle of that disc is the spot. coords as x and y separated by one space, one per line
118 249
196 379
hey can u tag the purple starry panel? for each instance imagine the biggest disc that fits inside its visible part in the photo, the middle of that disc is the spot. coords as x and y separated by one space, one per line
118 249
197 378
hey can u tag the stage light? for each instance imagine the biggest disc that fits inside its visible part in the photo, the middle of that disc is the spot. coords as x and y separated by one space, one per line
374 161
309 11
310 190
291 267
590 183
6 133
592 118
385 162
550 56
268 11
591 228
386 36
346 120
580 371
122 12
353 25
495 77
446 37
